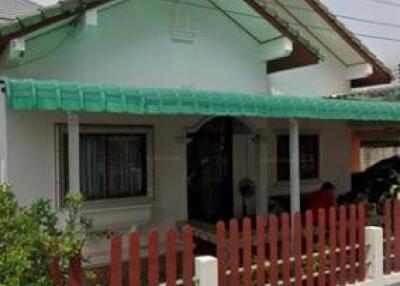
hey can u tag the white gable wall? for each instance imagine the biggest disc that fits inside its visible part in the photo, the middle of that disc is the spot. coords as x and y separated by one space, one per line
132 45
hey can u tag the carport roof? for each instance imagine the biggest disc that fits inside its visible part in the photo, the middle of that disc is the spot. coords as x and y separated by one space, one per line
33 95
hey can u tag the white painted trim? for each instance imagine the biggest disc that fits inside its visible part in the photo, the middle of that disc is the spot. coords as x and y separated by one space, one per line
200 123
359 71
278 48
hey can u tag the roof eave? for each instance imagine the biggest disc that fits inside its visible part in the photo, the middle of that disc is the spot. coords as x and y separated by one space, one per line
381 74
303 53
48 16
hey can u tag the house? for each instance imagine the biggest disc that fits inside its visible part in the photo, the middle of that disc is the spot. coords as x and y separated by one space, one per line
162 111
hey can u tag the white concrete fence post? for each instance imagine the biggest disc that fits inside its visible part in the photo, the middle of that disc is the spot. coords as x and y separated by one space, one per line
374 240
206 271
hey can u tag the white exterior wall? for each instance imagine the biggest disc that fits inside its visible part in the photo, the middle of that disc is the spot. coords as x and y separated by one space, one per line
326 78
334 155
32 158
132 46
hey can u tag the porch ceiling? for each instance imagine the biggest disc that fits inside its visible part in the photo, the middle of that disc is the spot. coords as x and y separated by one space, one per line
67 96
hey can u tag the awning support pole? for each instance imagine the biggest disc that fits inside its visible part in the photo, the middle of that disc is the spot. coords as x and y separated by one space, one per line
73 152
294 165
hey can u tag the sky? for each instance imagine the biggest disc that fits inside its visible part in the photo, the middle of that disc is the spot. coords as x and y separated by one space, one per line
357 15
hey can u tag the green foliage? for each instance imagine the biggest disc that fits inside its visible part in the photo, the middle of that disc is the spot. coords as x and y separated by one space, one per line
32 237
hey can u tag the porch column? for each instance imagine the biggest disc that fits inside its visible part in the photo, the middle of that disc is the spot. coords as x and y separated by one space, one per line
73 152
294 165
3 137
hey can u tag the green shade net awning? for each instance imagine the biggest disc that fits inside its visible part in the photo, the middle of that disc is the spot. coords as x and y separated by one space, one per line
38 95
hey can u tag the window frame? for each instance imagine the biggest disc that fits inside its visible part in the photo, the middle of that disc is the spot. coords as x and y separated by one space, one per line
302 134
148 130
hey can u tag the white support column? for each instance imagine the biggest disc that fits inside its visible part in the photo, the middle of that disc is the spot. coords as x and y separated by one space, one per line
3 138
262 174
294 139
73 152
206 271
374 240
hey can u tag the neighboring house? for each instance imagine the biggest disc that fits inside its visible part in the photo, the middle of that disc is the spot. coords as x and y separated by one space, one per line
11 10
161 111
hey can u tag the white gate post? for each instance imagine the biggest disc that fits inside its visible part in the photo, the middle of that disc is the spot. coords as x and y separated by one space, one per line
206 271
374 241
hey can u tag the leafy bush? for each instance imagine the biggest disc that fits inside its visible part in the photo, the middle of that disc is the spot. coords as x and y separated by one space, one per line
32 237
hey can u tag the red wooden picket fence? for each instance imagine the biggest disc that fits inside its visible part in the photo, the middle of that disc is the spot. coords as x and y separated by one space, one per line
153 259
297 251
391 235
278 250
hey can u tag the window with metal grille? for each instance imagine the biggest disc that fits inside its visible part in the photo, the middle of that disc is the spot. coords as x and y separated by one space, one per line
309 157
114 161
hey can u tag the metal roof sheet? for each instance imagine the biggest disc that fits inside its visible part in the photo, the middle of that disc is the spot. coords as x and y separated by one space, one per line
71 96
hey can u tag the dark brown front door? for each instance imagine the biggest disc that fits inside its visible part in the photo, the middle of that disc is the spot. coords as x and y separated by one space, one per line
210 190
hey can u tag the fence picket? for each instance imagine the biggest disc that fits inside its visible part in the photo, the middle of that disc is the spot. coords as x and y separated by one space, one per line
221 253
345 231
342 245
388 236
285 221
247 252
260 233
321 247
396 236
298 249
171 258
153 263
332 246
134 259
352 244
54 272
116 267
75 271
361 243
309 248
188 256
273 250
234 252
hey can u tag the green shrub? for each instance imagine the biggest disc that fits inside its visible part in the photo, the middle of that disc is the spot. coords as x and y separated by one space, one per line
32 237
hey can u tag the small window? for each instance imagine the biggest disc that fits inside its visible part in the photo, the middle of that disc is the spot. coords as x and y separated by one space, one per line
309 157
114 162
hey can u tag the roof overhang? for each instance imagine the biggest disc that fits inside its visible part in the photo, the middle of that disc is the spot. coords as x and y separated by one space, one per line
315 23
31 95
381 74
44 17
